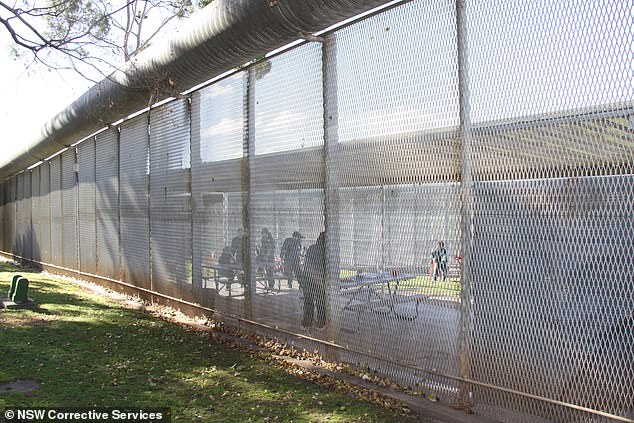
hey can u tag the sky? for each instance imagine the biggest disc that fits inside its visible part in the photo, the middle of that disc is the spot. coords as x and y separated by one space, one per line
28 100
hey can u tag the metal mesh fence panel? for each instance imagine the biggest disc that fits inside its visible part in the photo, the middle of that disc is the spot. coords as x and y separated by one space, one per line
218 193
23 214
134 169
19 216
396 173
8 216
286 105
170 198
36 221
12 230
107 203
551 258
44 213
56 211
69 209
87 215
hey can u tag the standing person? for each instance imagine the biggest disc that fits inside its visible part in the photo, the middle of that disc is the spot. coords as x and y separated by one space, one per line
236 246
237 250
291 255
439 260
313 284
266 256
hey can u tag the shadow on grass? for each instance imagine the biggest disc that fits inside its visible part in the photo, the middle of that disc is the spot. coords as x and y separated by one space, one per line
50 294
87 353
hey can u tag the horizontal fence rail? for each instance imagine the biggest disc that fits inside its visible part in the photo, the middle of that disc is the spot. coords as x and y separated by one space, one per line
442 193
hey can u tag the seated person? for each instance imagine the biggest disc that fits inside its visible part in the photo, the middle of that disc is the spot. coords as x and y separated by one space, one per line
226 262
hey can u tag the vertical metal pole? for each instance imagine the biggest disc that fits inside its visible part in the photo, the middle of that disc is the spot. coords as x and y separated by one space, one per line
118 263
248 208
94 199
30 234
196 284
77 221
50 215
149 196
383 232
331 182
61 201
464 353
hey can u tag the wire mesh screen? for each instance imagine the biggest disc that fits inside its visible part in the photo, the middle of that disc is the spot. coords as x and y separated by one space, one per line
20 218
134 169
286 100
170 208
552 276
107 203
11 213
57 235
217 151
44 213
36 221
87 214
398 174
23 214
69 209
443 190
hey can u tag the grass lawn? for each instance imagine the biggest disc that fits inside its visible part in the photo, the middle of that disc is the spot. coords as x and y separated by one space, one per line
426 286
450 288
90 351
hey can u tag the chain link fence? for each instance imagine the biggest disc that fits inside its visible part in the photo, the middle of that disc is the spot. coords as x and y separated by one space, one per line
443 191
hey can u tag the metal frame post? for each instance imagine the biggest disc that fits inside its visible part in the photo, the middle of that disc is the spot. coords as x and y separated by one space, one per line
331 179
464 353
248 208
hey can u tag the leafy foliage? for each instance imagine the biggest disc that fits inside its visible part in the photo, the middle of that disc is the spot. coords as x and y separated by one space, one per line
89 36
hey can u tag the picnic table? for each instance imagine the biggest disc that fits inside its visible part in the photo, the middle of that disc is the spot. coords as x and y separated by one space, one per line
216 271
379 292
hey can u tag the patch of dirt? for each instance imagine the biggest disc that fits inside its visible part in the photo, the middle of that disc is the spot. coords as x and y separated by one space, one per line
25 385
9 321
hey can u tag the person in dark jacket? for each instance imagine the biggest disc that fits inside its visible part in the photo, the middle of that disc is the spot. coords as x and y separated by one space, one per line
237 246
266 256
439 259
313 284
291 255
226 262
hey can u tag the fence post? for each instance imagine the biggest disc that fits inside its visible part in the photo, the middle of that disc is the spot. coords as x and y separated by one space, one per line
247 187
331 180
464 353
